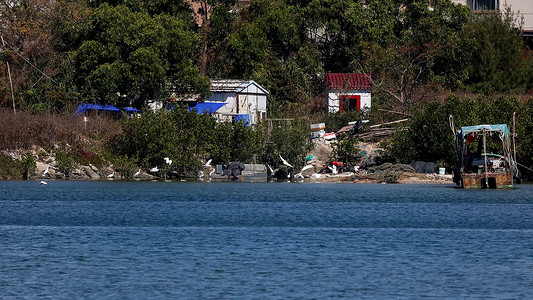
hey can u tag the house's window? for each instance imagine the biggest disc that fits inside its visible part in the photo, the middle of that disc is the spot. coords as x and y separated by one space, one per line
350 103
483 5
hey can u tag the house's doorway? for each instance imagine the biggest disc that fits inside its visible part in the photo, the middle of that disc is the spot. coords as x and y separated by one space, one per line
350 103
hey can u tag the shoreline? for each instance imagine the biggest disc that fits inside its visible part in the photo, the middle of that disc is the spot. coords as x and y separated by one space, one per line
407 178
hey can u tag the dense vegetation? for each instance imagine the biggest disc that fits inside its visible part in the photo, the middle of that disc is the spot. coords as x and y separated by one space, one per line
430 136
126 52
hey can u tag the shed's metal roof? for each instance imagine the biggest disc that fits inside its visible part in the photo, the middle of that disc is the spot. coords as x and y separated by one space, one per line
233 85
348 81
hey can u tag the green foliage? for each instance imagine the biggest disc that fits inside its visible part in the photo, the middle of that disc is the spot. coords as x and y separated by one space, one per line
64 160
346 151
148 139
413 47
335 121
9 168
388 176
498 63
27 165
132 52
185 137
291 141
429 136
125 166
246 142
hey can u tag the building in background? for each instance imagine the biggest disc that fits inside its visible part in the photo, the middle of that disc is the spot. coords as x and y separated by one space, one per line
244 100
524 7
348 92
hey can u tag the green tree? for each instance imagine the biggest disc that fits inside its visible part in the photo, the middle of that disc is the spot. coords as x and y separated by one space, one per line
35 67
185 137
413 47
429 136
28 165
289 140
346 151
135 53
498 63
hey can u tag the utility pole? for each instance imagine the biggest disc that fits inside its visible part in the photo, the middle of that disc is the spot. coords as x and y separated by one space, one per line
9 74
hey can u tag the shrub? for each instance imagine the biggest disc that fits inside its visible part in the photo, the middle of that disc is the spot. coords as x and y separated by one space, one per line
27 165
9 168
388 176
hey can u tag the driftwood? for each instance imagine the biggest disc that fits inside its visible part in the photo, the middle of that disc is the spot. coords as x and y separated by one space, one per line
388 123
378 130
395 112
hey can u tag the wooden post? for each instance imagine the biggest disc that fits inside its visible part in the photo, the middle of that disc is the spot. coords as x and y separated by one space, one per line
485 156
9 75
514 145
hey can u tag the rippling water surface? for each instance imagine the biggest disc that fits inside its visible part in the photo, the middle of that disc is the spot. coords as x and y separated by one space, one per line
175 240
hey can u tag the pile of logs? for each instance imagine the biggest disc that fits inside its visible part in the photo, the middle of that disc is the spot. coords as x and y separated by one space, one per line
380 130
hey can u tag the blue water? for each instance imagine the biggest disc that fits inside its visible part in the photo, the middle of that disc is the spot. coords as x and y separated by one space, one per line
175 240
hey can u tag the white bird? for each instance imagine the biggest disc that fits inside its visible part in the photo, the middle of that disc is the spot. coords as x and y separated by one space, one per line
285 162
208 163
306 168
298 176
270 168
200 174
112 175
168 160
137 173
333 169
43 183
212 172
46 171
154 169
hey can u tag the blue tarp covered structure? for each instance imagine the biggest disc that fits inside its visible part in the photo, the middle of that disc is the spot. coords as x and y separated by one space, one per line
206 107
243 117
83 107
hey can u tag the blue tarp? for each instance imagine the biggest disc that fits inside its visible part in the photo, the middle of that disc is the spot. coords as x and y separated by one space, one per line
131 109
244 117
477 128
86 106
207 107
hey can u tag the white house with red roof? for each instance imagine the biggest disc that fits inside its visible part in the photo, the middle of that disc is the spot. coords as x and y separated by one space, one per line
348 92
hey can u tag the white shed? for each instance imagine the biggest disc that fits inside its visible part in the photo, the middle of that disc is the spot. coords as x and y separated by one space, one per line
245 99
348 92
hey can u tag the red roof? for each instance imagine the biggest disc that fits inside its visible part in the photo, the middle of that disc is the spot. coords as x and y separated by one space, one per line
348 81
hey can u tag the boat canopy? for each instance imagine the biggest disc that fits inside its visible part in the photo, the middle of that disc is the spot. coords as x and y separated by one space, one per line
500 128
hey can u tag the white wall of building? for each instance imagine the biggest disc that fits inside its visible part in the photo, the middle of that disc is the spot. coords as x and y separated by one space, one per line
525 7
334 104
228 98
253 104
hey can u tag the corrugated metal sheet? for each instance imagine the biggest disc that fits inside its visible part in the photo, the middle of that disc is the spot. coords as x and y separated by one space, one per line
233 85
348 81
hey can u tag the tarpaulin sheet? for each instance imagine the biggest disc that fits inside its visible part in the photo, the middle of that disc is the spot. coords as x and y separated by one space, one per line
243 117
86 106
130 109
207 107
477 128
